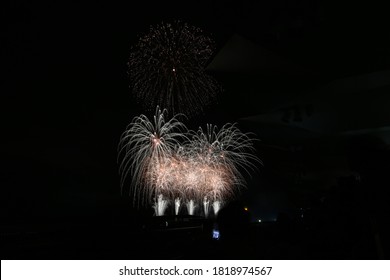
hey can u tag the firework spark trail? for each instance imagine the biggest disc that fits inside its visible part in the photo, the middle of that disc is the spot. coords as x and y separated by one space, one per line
167 162
170 60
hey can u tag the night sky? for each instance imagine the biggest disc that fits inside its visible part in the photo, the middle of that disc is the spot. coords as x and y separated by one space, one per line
310 78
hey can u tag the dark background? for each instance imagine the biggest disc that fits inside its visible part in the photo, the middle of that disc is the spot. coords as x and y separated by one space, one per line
310 78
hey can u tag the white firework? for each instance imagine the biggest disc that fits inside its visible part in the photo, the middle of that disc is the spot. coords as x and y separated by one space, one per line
222 154
168 163
145 148
160 205
167 68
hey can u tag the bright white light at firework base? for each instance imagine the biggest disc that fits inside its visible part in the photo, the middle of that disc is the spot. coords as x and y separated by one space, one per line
169 163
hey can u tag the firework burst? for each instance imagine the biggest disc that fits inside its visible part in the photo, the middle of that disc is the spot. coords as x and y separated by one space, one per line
167 68
170 165
222 154
145 149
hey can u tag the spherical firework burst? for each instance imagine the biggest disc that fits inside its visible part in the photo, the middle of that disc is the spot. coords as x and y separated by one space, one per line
167 68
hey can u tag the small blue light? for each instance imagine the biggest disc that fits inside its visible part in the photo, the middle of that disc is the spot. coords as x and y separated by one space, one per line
215 234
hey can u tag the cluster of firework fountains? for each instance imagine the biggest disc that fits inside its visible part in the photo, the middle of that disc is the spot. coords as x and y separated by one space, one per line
169 164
